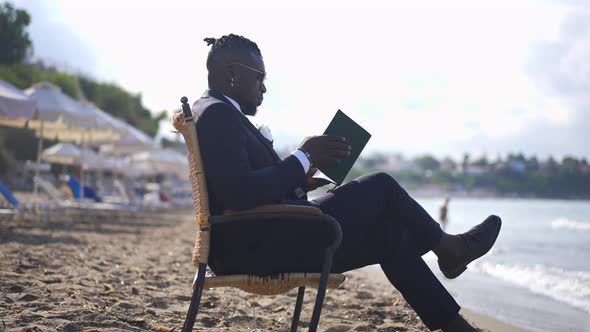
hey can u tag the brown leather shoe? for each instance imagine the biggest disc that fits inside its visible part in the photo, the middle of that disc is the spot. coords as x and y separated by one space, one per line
477 242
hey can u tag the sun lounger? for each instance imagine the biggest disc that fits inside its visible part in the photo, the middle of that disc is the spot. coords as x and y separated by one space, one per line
84 209
11 208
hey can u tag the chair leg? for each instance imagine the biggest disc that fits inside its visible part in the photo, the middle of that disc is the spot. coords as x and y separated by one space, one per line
297 311
319 300
193 309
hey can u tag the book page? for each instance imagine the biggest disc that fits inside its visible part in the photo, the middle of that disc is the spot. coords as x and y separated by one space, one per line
319 175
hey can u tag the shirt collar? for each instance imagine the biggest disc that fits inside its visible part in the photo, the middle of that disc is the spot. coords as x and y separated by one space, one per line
233 102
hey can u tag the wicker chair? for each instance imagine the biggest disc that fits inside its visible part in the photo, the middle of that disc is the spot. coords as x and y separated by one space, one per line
264 285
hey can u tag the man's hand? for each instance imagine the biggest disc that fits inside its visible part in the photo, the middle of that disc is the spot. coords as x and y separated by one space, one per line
314 183
325 150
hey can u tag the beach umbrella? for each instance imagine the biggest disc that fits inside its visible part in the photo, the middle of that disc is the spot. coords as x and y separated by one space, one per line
62 153
54 105
134 170
106 130
114 164
163 157
165 161
132 140
62 118
15 106
69 154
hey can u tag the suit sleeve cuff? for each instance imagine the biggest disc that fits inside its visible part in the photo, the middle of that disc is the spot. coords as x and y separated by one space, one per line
302 159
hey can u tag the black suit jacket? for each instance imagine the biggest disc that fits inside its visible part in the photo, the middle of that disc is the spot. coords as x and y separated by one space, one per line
242 169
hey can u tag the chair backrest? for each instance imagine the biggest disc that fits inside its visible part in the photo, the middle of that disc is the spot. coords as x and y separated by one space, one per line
89 193
8 195
183 122
120 188
49 189
74 186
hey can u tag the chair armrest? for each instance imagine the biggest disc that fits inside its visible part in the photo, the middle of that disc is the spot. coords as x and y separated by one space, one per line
287 219
277 209
284 214
274 213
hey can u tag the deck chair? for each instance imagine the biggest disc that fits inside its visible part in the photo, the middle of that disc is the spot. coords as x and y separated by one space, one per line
83 210
9 210
75 186
304 216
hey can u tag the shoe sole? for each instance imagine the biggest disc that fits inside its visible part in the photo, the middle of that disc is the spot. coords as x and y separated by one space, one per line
457 272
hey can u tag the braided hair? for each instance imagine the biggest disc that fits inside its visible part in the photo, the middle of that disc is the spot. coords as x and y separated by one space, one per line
221 47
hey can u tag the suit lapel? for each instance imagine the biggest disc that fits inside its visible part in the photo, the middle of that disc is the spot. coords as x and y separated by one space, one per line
261 138
247 123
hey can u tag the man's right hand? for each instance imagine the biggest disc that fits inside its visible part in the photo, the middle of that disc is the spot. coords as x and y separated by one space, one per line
325 150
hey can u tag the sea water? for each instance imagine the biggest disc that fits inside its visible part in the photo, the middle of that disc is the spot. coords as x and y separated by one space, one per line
537 276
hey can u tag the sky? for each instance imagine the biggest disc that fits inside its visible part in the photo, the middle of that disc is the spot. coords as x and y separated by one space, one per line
423 77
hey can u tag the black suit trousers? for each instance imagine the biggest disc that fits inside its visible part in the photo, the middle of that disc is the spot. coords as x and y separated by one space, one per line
381 224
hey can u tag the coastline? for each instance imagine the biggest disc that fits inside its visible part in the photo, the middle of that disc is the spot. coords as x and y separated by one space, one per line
489 323
482 321
428 192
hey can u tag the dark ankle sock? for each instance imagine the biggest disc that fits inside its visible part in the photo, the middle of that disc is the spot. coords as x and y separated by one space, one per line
447 247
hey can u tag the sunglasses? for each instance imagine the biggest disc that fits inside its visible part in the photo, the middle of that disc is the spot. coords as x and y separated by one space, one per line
263 73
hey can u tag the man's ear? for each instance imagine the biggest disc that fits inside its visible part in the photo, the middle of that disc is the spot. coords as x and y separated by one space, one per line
230 74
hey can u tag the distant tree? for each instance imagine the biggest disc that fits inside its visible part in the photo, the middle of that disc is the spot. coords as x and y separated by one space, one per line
374 160
569 165
551 166
14 38
176 144
516 157
24 75
532 164
482 161
448 165
465 162
427 163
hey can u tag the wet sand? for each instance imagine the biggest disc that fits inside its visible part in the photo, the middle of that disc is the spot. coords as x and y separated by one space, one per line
135 275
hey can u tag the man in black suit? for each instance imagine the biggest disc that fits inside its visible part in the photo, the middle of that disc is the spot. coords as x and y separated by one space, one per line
381 223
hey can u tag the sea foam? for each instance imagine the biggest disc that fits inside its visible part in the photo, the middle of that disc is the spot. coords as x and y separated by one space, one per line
572 287
565 223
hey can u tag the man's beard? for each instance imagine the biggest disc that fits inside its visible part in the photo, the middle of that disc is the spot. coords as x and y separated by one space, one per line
249 109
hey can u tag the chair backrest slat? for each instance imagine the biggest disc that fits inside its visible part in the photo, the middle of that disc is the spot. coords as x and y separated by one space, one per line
183 122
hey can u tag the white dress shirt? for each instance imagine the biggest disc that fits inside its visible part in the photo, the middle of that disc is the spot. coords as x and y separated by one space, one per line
305 163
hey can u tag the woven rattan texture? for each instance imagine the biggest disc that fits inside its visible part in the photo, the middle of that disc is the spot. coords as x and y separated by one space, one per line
272 285
199 186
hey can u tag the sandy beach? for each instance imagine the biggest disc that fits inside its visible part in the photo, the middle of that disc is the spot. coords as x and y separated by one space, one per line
102 275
